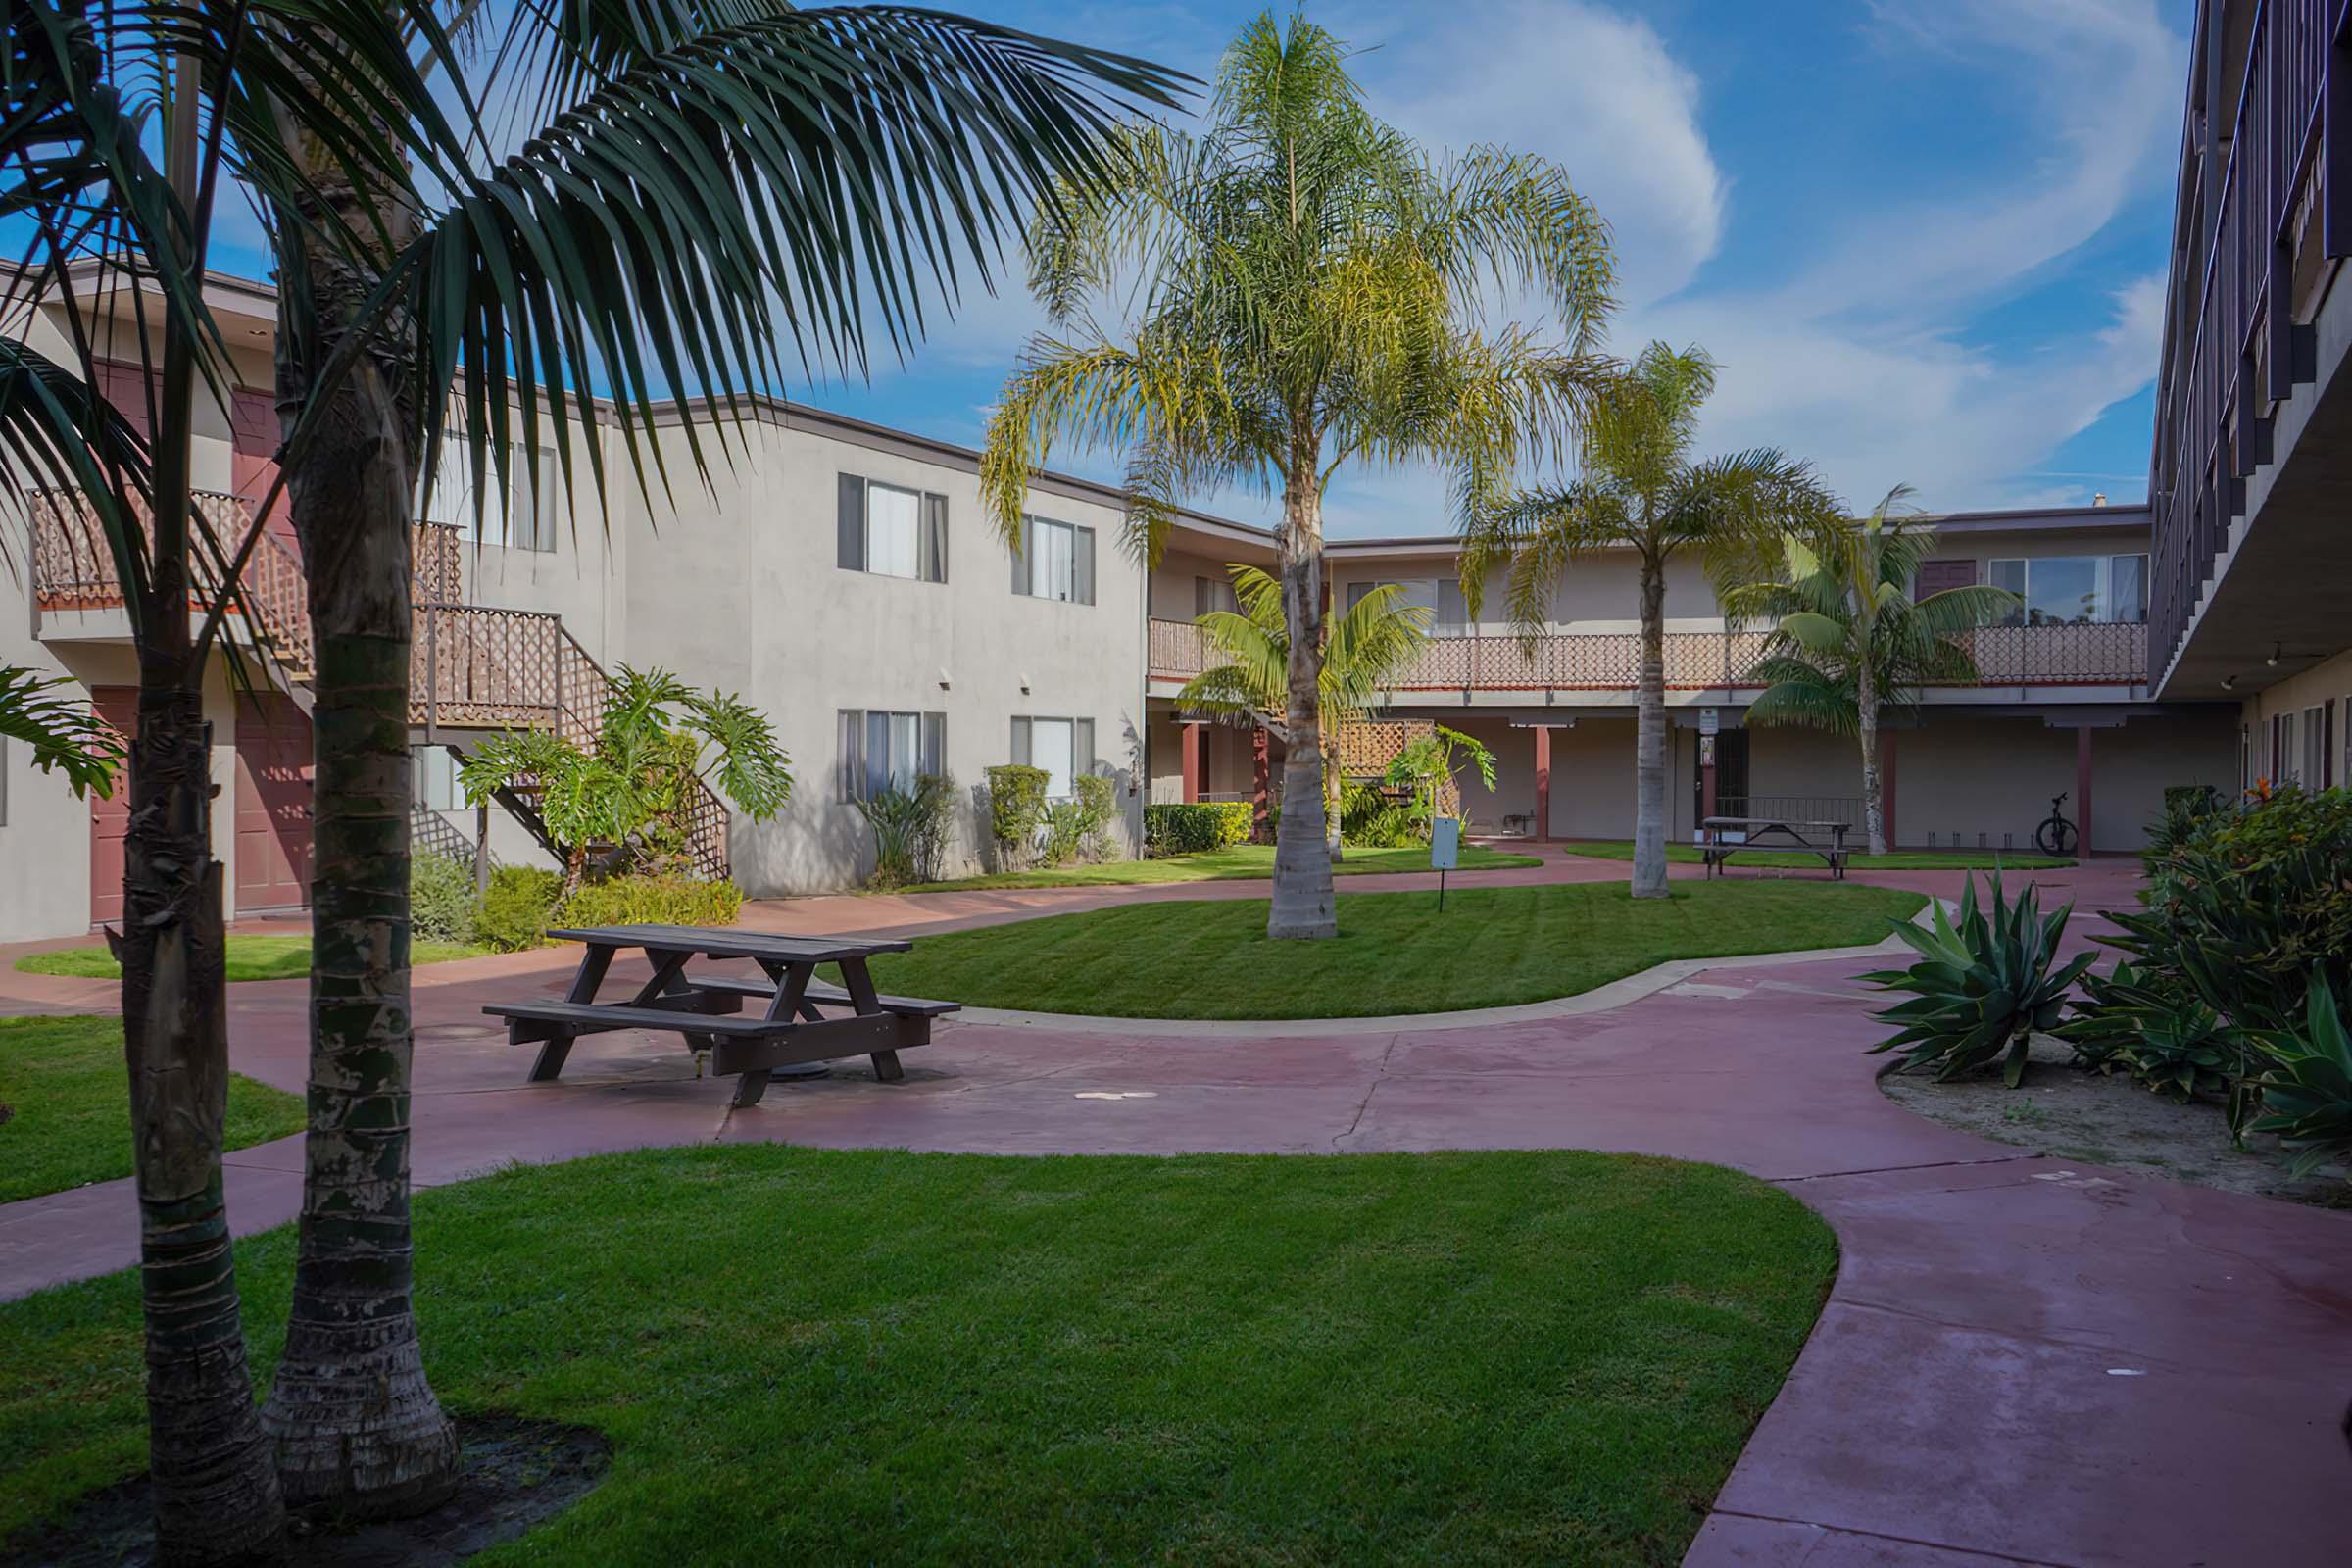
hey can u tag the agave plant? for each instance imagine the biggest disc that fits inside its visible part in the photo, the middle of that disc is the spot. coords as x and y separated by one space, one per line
1981 988
2142 1022
2308 1088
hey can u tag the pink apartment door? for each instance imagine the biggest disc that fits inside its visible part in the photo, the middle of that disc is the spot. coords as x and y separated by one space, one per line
110 815
274 804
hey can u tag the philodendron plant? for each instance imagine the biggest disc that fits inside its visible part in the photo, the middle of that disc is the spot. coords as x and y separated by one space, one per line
1981 988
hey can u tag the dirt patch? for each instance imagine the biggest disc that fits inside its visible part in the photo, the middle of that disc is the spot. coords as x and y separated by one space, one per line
514 1473
2065 1111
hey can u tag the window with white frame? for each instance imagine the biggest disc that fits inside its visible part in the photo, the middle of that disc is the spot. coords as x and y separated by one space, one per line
516 512
883 749
1441 597
2282 765
1057 562
2073 590
1063 748
2314 741
891 531
1214 593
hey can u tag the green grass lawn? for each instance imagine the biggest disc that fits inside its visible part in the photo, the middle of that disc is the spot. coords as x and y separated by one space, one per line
808 1355
247 958
1897 861
1240 863
65 1081
1395 954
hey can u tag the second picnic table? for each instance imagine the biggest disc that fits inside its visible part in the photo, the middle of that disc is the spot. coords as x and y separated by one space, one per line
1773 833
792 1027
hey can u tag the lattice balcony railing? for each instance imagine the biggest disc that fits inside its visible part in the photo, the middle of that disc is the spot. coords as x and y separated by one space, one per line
2106 653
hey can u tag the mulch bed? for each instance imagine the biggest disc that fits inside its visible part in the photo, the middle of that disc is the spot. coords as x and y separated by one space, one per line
514 1473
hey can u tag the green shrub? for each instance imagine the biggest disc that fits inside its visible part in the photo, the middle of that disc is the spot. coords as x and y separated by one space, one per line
649 901
2244 908
911 829
1194 828
1016 805
441 907
1097 802
513 913
1982 990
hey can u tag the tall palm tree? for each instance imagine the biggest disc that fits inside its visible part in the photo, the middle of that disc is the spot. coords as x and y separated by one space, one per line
1306 289
1849 638
1637 487
701 195
1370 646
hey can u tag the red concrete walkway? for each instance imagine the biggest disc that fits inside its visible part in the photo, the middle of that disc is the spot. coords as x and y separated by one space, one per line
2022 1359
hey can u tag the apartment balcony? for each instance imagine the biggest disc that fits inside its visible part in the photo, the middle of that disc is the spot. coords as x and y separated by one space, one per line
2101 653
2243 382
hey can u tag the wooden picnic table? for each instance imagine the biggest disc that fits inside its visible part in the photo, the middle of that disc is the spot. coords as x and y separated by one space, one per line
1773 833
791 1029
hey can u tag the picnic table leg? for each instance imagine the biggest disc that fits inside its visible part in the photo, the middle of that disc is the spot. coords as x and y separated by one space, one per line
749 1087
585 982
860 986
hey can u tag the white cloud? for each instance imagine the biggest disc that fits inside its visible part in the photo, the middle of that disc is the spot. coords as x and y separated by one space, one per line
1593 89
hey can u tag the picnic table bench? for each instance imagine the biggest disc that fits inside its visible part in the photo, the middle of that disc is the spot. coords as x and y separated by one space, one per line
1773 833
790 1030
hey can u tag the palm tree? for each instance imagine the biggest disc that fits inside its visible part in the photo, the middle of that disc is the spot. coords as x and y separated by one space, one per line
1637 487
1370 646
1849 638
1306 291
708 192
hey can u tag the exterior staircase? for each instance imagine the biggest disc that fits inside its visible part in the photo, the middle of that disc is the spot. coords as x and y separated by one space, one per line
473 669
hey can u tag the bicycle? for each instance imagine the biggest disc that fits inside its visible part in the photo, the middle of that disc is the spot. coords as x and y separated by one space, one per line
2056 835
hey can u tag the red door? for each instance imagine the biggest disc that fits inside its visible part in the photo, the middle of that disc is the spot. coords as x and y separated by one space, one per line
110 815
274 804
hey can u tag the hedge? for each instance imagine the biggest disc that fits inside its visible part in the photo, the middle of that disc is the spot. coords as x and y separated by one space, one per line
651 901
1194 828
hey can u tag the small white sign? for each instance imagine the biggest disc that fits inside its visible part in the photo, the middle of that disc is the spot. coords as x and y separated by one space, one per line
1444 843
1709 720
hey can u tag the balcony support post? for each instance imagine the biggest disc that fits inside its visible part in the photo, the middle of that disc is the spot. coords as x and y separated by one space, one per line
2082 792
1196 760
1543 783
1261 787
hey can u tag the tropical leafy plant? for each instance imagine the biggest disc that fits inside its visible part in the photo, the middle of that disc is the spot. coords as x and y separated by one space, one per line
1063 838
1981 988
625 796
1424 771
911 829
66 735
1097 798
1639 487
1848 640
1306 287
1369 647
2307 1089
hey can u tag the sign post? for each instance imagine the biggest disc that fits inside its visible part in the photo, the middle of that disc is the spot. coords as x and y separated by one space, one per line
1444 852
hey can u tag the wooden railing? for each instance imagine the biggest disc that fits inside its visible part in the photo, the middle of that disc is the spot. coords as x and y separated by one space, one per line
471 666
2105 654
2233 348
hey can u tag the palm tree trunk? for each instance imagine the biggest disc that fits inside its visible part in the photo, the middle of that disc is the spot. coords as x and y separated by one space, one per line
1302 909
1874 809
1650 739
216 1491
356 1422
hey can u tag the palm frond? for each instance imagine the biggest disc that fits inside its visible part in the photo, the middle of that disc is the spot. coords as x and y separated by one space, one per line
64 734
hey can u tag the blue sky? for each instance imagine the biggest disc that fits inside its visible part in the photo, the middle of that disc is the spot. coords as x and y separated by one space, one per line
1925 239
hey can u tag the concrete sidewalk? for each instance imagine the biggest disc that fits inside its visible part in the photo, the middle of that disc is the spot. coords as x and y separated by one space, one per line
2022 1359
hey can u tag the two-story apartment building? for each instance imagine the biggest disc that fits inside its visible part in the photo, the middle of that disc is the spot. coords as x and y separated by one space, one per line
2063 704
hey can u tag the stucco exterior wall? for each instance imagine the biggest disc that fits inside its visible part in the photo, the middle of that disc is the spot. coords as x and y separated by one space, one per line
740 589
